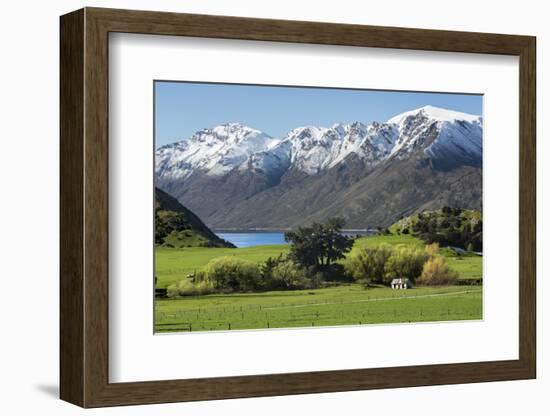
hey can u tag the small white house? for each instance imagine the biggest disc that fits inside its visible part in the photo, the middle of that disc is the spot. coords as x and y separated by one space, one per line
401 283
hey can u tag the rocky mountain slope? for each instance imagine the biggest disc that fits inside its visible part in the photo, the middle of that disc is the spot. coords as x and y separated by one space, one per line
236 177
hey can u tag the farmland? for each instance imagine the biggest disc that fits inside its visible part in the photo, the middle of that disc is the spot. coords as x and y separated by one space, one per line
339 305
173 265
348 304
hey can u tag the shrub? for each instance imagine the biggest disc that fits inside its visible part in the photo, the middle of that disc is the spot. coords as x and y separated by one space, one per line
188 288
404 262
197 277
287 275
232 273
432 249
368 264
436 272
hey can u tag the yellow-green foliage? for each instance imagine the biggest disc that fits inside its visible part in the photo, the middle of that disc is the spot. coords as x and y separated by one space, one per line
287 275
173 265
405 262
436 272
187 288
233 273
368 263
383 263
432 249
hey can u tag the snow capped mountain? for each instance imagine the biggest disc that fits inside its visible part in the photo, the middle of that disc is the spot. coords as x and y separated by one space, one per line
434 113
439 133
444 135
233 176
213 151
315 149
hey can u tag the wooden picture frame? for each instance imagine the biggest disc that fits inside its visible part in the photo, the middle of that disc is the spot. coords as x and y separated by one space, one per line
84 207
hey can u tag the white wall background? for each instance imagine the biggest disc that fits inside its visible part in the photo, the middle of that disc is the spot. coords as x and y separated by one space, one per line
29 171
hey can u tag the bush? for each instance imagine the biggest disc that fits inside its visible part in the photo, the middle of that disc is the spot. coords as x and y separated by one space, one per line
432 249
282 273
404 263
436 272
368 264
232 273
287 275
188 288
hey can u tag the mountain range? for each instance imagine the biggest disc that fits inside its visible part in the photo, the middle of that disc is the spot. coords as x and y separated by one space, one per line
236 177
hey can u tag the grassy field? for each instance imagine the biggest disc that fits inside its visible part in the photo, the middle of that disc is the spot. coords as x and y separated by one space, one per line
342 305
173 265
346 304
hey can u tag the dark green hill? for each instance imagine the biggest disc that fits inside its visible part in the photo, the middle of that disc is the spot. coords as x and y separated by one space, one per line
176 226
447 226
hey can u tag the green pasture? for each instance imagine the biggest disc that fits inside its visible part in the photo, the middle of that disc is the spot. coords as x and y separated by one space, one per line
174 264
342 305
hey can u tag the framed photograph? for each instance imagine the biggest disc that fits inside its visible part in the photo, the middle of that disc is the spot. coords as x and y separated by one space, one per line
255 207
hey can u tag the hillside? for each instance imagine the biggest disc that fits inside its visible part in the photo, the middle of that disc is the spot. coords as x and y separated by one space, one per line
234 176
447 226
177 226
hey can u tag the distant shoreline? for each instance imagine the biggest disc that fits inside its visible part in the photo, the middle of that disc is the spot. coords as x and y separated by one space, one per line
282 230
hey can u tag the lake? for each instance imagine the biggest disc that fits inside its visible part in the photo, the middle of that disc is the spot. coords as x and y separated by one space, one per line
261 238
251 238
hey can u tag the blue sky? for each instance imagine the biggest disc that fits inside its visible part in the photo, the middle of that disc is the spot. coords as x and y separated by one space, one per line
183 108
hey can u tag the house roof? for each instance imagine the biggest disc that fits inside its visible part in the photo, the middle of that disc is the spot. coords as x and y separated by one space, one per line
400 280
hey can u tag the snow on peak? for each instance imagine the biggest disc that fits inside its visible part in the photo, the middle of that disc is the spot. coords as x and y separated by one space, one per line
228 130
434 113
214 151
438 132
311 149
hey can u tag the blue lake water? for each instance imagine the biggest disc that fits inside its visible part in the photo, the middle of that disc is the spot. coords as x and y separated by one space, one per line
260 238
251 239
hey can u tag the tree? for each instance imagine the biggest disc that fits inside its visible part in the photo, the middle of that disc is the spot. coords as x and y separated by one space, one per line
436 272
233 273
368 263
406 262
318 245
287 275
432 249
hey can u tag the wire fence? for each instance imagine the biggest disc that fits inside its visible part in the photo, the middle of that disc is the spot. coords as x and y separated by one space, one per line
330 312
